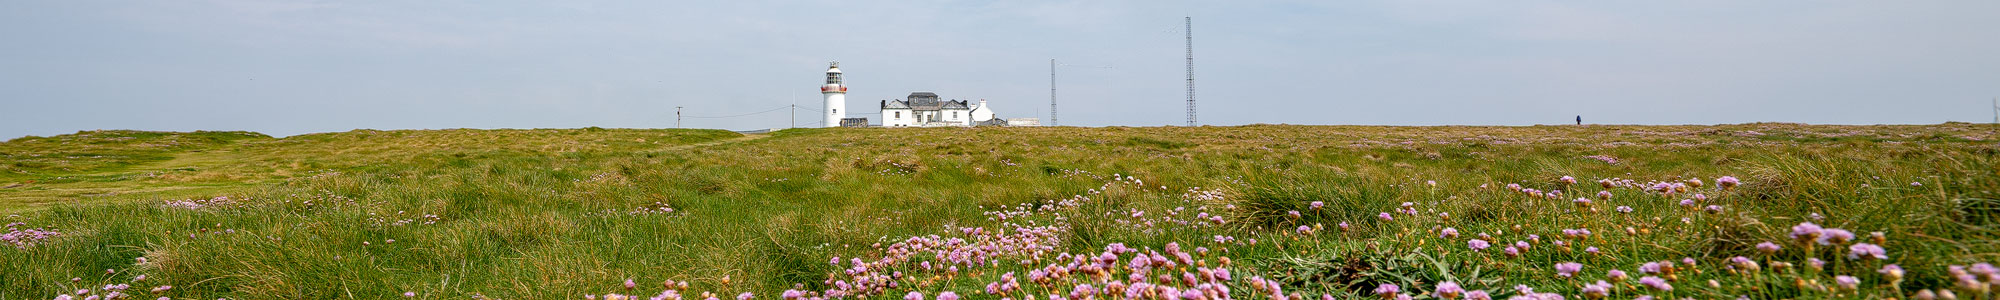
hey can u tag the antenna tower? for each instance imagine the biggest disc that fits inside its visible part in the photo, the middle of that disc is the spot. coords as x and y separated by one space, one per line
1052 92
1190 71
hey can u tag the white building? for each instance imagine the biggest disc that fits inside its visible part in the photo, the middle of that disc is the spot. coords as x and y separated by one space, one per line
836 95
1024 122
924 109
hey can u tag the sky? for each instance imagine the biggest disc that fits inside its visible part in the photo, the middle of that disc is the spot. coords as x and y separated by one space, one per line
294 67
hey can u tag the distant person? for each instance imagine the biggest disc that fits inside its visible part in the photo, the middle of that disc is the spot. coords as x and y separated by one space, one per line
1579 119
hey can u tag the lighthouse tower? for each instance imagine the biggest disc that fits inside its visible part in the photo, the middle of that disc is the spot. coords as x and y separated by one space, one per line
836 95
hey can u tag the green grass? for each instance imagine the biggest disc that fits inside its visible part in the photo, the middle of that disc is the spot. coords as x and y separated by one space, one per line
513 214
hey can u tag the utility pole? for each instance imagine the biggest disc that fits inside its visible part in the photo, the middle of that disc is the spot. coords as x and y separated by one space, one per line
795 110
677 117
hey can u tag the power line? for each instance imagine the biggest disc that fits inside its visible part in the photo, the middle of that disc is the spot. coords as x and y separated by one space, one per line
741 115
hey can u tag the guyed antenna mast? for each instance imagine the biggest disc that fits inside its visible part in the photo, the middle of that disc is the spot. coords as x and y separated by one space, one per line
1190 71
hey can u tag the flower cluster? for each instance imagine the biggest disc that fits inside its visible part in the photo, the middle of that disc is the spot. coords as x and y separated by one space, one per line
403 218
197 204
652 209
117 290
25 237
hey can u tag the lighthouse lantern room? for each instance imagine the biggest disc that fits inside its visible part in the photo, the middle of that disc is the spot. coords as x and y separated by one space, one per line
836 95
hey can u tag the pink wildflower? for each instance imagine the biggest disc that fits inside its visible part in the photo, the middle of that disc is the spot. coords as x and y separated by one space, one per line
1449 290
1744 263
1866 250
1387 290
1847 282
1806 232
1597 290
1833 236
1768 248
1656 283
1727 182
1478 295
1568 269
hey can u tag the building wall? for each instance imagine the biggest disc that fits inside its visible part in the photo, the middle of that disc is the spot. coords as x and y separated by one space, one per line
955 116
836 108
898 117
982 113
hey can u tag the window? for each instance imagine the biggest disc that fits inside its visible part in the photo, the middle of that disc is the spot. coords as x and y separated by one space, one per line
899 115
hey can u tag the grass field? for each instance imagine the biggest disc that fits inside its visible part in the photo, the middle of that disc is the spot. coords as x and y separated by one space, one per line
1022 213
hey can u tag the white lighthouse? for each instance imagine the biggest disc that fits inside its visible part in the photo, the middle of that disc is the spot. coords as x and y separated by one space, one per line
836 95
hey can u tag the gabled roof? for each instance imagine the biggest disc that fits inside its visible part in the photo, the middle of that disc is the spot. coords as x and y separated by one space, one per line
954 104
982 106
895 104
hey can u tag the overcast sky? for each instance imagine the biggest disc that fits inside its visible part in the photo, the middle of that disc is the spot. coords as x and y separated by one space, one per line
292 67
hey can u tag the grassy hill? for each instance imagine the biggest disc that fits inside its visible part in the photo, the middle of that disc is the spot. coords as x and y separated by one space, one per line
1086 212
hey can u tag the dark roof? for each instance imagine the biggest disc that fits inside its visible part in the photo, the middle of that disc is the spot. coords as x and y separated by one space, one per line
895 104
954 104
923 101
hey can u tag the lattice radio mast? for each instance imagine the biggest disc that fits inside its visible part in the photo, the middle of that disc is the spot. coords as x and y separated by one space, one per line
1190 71
1052 92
